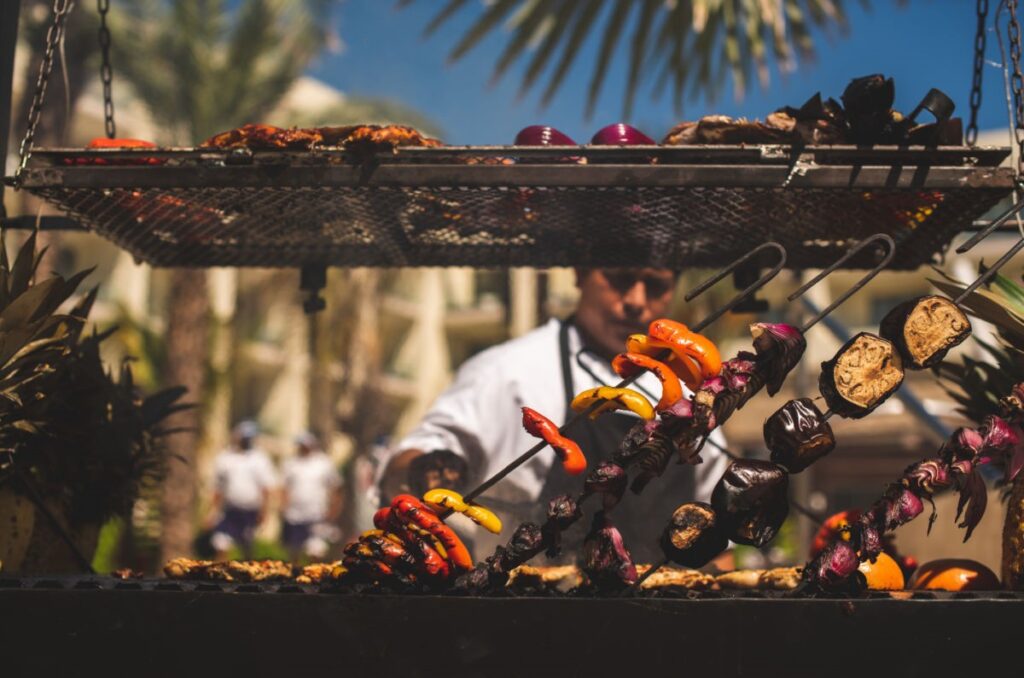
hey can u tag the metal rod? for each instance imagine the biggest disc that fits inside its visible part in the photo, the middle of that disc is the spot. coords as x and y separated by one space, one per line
740 296
993 225
8 42
890 248
987 275
644 577
529 454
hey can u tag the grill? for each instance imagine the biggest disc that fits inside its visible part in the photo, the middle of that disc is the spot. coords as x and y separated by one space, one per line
515 206
171 628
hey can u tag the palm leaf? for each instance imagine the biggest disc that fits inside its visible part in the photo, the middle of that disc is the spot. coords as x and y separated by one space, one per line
733 35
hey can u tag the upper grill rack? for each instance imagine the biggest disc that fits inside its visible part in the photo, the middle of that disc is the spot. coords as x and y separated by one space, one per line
518 206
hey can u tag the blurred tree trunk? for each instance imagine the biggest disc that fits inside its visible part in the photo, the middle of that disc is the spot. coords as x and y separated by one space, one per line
1013 538
187 317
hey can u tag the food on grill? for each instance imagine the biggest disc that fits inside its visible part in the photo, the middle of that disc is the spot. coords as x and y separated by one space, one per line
798 435
621 134
358 138
542 135
628 365
861 376
314 573
233 570
607 479
186 568
373 138
865 117
493 573
263 137
653 458
882 574
780 578
668 578
606 561
955 574
995 442
612 398
448 500
104 142
411 512
569 453
693 536
925 329
751 501
740 579
562 577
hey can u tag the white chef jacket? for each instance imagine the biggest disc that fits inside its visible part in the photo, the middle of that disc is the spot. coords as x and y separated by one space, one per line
478 417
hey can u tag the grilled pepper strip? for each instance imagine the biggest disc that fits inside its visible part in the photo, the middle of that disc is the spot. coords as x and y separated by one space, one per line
441 499
685 342
683 365
569 453
616 399
629 364
410 511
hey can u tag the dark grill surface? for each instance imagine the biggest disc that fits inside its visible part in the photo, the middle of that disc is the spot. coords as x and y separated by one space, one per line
427 207
97 626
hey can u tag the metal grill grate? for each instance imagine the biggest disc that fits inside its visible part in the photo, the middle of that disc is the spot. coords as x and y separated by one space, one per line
430 207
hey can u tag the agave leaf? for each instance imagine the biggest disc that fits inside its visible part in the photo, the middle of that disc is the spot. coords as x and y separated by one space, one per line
490 19
547 47
446 13
26 307
526 22
609 40
1013 292
162 404
24 266
638 51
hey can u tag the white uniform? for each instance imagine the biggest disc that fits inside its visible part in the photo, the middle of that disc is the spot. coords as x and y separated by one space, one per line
478 416
242 477
309 481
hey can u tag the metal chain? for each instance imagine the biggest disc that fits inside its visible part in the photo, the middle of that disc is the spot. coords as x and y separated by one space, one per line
1016 80
106 72
979 65
61 9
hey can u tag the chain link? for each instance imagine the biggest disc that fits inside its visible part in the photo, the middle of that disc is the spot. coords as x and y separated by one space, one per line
979 65
1016 79
61 9
106 72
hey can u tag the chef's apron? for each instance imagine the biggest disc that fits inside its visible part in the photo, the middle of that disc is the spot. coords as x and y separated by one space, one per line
640 518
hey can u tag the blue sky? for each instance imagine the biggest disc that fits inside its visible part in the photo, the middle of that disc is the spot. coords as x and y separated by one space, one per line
922 44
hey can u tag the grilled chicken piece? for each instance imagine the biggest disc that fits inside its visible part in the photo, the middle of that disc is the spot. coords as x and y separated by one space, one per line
314 573
675 578
262 137
187 568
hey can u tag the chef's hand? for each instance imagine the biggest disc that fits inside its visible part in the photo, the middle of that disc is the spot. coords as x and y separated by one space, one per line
437 469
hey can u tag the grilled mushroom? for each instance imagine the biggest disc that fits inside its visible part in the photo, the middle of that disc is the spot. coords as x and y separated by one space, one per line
693 536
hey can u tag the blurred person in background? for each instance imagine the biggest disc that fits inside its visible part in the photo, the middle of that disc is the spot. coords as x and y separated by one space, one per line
244 478
475 427
311 500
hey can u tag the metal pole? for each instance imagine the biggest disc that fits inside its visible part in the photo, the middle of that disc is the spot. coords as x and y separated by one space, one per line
9 11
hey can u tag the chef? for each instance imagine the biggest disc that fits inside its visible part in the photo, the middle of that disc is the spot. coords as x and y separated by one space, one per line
477 420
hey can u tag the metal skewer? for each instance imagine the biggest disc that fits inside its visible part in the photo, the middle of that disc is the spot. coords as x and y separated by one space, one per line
1013 210
739 297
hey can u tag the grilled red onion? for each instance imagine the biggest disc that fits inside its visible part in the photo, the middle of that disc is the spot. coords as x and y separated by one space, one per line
607 479
542 135
563 511
834 566
779 348
751 500
606 561
621 134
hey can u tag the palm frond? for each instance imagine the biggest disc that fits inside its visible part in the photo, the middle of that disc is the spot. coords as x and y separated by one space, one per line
732 36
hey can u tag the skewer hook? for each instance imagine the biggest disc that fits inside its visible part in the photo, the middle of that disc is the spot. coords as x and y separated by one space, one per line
889 246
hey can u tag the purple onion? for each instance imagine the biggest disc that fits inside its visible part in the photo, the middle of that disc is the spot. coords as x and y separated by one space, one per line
542 135
965 443
607 479
779 348
606 560
999 437
1016 460
927 477
902 509
836 564
621 134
